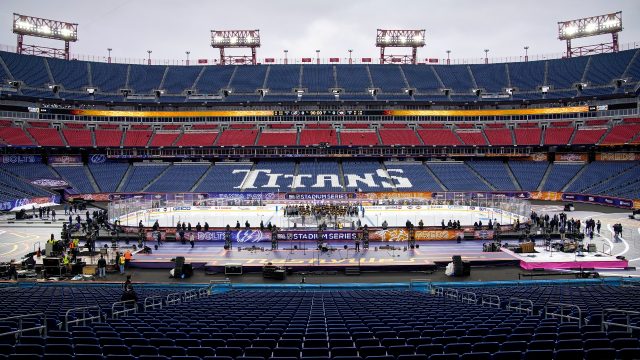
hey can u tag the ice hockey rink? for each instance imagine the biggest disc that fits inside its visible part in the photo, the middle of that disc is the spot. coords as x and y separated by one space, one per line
372 216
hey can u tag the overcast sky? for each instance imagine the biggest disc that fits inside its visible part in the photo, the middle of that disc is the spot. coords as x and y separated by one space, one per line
169 28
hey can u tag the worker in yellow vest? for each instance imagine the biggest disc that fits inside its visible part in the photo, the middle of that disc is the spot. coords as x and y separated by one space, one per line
121 261
66 262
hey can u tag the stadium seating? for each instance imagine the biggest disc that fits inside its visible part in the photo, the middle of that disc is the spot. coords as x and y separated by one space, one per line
224 177
528 136
391 80
598 172
110 138
30 171
499 137
137 138
439 137
15 136
621 134
315 137
588 136
324 176
237 138
78 137
529 174
399 137
560 174
76 176
178 178
189 139
363 175
457 176
46 136
495 172
141 175
161 139
416 172
278 138
277 182
558 135
108 175
358 138
472 137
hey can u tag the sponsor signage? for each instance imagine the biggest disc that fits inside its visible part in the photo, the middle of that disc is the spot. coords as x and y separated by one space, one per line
8 205
50 183
21 159
65 159
617 156
596 199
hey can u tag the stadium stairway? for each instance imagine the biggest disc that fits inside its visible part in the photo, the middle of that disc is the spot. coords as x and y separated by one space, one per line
157 177
545 176
384 168
578 174
125 177
201 179
512 176
474 171
91 179
433 175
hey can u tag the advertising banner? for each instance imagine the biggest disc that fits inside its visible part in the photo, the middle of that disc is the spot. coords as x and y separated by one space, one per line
88 197
596 199
8 205
617 156
421 235
51 183
65 159
320 196
575 157
310 235
241 236
21 159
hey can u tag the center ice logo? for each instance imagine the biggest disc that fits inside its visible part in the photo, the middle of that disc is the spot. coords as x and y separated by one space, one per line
379 179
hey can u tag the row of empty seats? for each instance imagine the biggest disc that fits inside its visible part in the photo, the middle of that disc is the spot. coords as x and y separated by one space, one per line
427 80
522 136
354 324
614 178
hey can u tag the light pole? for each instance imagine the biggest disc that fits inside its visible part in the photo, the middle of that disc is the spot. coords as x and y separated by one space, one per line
149 58
318 57
486 56
187 52
526 53
350 61
448 57
286 61
109 58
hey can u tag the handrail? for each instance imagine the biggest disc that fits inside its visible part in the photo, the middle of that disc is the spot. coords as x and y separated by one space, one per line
216 283
468 297
174 298
562 315
517 305
490 300
203 292
628 325
20 330
629 283
153 302
190 295
86 315
451 294
125 308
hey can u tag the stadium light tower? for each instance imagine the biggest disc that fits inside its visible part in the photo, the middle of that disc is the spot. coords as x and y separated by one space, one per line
24 25
591 26
400 38
223 39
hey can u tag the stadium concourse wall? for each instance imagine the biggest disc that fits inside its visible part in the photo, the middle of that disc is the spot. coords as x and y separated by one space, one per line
378 196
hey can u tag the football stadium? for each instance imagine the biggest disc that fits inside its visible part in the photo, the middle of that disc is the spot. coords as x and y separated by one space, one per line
391 203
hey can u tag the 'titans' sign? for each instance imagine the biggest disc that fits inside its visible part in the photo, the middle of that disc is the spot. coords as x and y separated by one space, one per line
266 179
